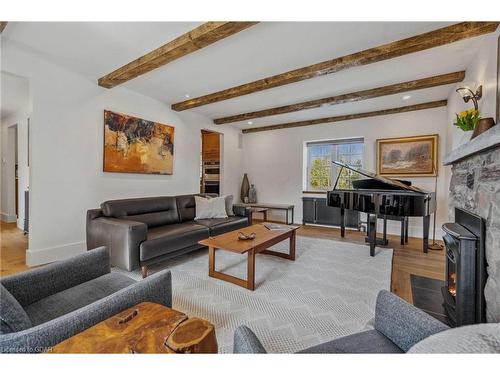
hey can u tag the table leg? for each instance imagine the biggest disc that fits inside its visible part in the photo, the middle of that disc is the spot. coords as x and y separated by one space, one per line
384 236
425 239
211 261
342 222
292 246
407 219
248 283
403 230
291 252
251 270
372 224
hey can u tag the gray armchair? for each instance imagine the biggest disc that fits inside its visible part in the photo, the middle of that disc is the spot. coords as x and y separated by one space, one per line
398 326
47 305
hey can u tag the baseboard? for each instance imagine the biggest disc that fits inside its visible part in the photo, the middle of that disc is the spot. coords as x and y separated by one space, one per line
36 257
8 218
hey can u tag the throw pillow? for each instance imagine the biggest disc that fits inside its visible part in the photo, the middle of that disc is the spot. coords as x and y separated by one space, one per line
229 205
477 338
13 318
213 208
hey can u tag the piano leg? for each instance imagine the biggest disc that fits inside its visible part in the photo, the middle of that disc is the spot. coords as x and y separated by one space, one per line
342 223
425 240
407 219
372 229
403 230
384 235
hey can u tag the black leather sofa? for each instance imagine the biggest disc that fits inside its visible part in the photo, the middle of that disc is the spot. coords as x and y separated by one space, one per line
143 231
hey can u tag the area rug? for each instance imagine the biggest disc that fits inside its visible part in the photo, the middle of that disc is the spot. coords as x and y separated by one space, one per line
329 291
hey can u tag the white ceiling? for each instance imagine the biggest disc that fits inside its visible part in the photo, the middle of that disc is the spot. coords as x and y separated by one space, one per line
14 94
95 49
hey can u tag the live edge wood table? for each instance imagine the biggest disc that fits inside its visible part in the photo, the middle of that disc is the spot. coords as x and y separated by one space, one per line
264 239
145 328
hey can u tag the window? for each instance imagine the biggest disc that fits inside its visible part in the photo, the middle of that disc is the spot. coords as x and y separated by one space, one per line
321 173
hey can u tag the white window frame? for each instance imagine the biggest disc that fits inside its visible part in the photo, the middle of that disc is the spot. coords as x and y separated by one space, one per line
333 156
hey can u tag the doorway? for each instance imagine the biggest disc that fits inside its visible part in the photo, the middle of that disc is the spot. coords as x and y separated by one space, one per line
210 168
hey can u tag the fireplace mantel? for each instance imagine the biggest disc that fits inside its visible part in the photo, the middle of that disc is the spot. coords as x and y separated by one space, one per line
482 142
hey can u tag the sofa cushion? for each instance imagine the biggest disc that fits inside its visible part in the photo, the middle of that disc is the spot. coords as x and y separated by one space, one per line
363 342
476 338
210 208
13 318
186 205
152 211
229 204
170 238
219 226
76 297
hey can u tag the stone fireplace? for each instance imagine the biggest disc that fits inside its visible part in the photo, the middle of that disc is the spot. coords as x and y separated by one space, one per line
475 186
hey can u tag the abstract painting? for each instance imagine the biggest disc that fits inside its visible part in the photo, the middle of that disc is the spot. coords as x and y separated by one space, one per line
408 156
134 145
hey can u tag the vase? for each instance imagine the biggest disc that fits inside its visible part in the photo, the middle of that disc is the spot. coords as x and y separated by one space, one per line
252 194
482 125
245 187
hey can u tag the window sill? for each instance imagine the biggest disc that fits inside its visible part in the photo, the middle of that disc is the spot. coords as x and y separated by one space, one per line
313 192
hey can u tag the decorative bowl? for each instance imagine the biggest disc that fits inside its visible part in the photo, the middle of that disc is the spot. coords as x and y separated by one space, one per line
244 237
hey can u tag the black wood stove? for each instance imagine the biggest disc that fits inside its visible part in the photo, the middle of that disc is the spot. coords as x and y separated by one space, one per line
463 292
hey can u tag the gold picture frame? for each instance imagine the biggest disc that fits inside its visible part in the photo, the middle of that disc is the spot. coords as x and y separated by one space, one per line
414 156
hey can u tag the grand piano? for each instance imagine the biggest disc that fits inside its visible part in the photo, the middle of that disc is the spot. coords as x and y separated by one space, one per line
381 197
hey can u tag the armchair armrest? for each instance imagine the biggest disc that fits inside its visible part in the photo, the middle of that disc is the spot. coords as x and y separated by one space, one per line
245 342
156 288
36 284
121 237
402 323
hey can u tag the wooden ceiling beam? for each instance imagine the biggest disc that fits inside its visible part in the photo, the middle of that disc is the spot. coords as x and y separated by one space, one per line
387 51
2 26
324 120
196 39
443 79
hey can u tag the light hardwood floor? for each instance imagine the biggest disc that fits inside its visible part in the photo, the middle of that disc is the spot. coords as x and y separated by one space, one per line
12 250
408 259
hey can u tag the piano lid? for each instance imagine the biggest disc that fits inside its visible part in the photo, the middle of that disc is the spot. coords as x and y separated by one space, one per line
385 180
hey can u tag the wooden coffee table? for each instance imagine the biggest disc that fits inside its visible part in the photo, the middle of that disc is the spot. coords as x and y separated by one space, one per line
264 239
145 328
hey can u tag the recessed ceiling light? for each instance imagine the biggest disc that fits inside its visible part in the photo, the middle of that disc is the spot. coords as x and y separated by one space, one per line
187 96
250 122
406 97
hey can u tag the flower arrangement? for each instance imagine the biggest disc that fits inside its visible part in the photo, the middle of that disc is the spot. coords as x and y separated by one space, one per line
467 120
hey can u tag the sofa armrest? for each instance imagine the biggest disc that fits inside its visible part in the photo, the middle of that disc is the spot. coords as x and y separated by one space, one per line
121 237
245 342
38 283
402 323
156 288
243 211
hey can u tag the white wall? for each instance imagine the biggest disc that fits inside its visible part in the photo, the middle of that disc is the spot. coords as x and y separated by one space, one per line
8 207
67 147
20 120
274 159
483 71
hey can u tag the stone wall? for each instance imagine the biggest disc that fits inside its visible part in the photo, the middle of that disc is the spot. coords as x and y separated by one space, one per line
475 186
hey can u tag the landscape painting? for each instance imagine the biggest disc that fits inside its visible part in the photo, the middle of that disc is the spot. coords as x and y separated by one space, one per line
134 145
409 156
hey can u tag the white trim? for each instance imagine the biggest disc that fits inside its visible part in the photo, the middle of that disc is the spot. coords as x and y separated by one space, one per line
36 257
20 223
8 218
